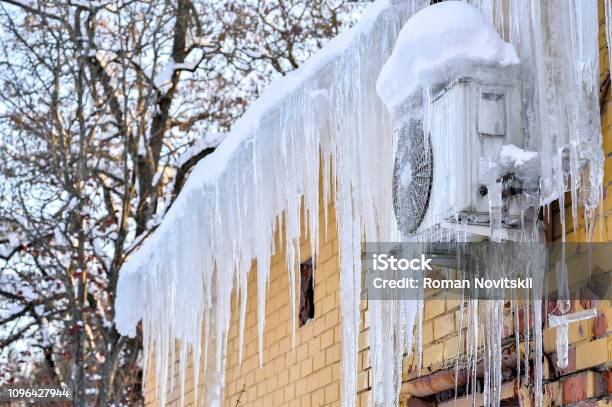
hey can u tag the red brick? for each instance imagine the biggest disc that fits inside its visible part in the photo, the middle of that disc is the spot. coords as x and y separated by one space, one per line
571 363
575 388
582 386
600 325
524 313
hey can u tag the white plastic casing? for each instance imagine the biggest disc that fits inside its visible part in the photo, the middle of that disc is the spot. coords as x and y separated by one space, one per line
469 122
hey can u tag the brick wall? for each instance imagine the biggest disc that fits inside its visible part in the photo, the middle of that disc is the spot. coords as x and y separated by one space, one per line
309 374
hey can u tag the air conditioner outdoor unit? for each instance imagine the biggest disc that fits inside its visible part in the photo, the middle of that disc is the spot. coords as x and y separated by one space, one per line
444 168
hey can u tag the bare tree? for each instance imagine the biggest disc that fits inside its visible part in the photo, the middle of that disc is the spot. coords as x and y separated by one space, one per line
99 101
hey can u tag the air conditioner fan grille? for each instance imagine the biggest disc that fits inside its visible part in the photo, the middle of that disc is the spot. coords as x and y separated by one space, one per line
412 176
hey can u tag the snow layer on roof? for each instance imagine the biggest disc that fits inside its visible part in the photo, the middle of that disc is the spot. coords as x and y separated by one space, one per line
266 172
210 140
213 170
446 40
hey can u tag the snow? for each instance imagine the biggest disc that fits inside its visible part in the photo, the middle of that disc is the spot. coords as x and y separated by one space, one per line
447 40
201 41
525 164
129 303
14 239
210 140
513 156
163 80
9 242
89 3
158 175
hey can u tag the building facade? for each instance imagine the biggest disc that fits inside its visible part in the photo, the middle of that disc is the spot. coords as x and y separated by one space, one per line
305 370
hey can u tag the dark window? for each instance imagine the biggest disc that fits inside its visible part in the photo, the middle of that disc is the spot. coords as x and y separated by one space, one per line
306 292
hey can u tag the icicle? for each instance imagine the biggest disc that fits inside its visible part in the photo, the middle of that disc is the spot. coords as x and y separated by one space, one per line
608 19
419 325
562 346
517 337
459 339
561 323
495 207
536 303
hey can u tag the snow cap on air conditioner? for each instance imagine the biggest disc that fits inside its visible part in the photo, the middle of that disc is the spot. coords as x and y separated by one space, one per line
439 43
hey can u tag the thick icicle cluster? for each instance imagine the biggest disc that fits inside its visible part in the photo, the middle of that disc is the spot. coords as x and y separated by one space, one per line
558 48
180 282
557 44
327 114
558 75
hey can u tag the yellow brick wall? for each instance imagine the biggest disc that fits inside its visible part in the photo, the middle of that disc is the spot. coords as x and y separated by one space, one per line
307 375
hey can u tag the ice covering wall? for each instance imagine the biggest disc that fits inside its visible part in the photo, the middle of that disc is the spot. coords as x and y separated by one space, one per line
557 45
327 113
